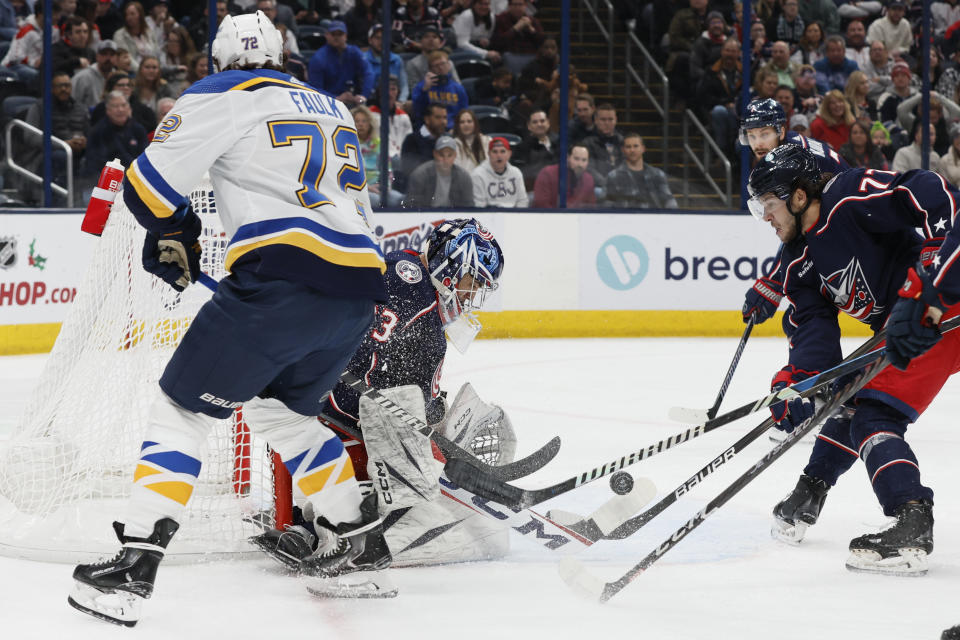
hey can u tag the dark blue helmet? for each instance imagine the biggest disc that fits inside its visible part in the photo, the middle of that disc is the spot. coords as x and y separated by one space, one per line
778 173
456 248
762 113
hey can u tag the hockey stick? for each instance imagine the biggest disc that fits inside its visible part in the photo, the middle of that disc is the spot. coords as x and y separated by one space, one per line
578 578
696 416
453 452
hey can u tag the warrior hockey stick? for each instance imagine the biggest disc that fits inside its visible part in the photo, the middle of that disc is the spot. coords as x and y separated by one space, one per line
696 416
578 578
517 469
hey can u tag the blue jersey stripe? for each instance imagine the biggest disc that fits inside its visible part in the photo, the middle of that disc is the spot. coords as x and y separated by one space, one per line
175 461
266 227
149 173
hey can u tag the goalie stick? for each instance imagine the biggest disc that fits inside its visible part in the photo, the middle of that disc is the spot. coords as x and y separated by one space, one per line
585 583
497 489
682 414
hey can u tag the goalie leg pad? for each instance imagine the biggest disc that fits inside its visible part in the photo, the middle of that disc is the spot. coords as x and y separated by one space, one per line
401 461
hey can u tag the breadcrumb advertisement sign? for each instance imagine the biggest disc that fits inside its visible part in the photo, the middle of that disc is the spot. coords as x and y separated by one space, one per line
42 260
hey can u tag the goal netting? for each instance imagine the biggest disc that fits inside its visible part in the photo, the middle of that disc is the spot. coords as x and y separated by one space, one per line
68 468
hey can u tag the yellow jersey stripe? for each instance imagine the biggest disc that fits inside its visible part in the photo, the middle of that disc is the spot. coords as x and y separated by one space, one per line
311 244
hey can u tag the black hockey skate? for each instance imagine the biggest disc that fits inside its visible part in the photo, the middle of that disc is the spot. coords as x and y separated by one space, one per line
289 547
799 509
351 566
900 550
953 633
113 590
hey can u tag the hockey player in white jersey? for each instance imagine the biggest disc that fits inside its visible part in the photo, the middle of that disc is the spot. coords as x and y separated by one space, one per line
305 272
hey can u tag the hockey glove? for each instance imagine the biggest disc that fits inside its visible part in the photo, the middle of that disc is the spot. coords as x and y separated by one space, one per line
912 326
762 300
790 414
175 256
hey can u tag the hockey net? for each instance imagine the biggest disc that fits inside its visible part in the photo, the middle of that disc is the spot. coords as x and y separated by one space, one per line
67 469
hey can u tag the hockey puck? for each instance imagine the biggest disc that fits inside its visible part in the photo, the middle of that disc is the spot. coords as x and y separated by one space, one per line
621 482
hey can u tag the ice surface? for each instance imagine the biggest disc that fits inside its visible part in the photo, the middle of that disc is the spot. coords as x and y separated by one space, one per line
605 398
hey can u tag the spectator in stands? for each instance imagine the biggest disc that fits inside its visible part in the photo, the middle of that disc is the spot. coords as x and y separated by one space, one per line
164 106
811 45
400 125
72 52
124 63
516 35
950 161
474 30
581 191
369 137
160 22
822 11
574 87
910 156
781 64
858 49
605 146
719 91
895 32
198 26
149 86
864 109
117 135
471 142
881 139
582 125
360 21
536 75
537 149
834 69
807 97
832 124
71 123
942 15
496 90
877 69
89 83
865 10
408 23
788 25
417 66
374 57
174 58
635 184
685 27
943 112
438 87
269 9
900 89
341 69
761 49
800 124
142 114
785 97
859 151
440 182
418 146
706 48
26 50
108 18
197 68
765 85
135 36
496 182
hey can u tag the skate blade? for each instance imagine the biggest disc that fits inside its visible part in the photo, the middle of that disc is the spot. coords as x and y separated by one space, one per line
787 533
910 563
117 607
285 560
361 584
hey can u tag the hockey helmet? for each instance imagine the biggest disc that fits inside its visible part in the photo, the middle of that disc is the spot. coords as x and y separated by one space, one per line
762 113
462 247
249 39
778 173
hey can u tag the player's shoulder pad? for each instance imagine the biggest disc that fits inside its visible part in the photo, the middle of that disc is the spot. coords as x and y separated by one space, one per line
247 81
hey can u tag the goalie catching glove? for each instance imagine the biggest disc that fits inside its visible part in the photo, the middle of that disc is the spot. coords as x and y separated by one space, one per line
175 257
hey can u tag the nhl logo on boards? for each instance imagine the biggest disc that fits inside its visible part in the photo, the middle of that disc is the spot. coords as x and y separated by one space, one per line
409 272
8 252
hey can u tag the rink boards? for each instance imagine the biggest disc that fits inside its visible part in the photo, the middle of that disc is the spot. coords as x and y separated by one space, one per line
571 274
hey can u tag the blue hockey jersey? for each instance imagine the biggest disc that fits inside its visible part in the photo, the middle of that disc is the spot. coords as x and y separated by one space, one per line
854 258
406 343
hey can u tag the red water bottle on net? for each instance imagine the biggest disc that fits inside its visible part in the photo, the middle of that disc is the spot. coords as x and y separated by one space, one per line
101 200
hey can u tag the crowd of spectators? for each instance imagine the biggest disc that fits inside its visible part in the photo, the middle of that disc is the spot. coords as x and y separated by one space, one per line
473 94
847 72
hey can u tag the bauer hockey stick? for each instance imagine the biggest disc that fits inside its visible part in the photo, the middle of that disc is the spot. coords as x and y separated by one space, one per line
682 414
585 583
504 493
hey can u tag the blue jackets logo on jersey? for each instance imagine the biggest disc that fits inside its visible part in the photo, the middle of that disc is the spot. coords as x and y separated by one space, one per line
409 272
850 292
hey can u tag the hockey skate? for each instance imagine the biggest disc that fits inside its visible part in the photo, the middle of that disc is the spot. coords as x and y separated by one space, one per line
289 547
900 550
352 566
114 590
799 510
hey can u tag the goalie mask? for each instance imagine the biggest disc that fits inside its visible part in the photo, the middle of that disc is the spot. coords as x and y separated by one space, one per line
465 263
249 39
